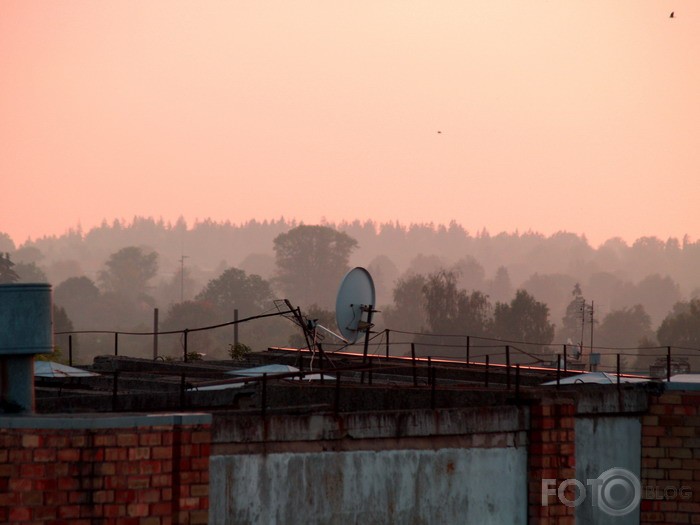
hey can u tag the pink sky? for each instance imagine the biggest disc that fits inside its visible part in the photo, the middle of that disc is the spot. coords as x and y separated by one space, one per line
579 116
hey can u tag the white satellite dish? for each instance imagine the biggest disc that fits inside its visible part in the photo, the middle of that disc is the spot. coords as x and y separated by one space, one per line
355 297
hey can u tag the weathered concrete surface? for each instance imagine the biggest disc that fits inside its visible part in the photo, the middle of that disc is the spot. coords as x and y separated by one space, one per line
606 399
236 428
603 443
476 485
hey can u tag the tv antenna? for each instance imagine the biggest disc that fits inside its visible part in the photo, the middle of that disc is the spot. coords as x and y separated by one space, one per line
310 328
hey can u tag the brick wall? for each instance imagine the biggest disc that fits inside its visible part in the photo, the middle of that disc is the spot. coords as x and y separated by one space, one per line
551 455
671 459
149 475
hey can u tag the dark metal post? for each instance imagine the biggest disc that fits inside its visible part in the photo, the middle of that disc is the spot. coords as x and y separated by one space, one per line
370 311
70 350
235 327
668 364
184 345
116 343
565 358
558 369
508 367
155 333
387 343
468 349
413 363
430 368
618 371
486 373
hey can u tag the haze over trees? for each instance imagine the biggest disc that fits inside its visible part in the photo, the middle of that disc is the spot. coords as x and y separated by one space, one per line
310 262
682 326
112 276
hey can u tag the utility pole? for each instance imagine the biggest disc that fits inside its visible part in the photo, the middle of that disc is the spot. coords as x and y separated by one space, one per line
583 323
591 327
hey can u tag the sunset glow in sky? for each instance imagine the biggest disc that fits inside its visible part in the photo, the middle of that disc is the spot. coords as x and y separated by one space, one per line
581 116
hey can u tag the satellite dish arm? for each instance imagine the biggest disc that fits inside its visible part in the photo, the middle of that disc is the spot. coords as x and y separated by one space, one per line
370 311
319 325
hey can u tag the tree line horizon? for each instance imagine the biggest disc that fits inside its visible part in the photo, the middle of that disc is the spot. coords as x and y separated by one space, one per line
437 279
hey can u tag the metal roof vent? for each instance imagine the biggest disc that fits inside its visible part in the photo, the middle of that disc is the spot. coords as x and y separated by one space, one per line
25 330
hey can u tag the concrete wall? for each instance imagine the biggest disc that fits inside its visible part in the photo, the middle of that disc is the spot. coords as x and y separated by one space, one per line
404 467
371 487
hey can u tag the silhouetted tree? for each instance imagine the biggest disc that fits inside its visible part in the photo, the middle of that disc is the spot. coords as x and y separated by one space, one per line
128 271
7 274
523 319
625 328
552 289
454 311
233 289
6 243
470 274
28 254
311 261
442 299
476 314
251 295
500 287
682 326
384 273
188 315
81 299
659 294
572 321
30 273
408 310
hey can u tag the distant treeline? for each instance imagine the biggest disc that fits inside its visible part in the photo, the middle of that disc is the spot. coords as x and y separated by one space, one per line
654 273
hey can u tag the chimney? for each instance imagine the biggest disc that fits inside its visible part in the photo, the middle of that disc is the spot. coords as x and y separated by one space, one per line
25 330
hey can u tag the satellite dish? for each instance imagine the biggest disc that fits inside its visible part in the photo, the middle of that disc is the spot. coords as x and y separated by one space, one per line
355 297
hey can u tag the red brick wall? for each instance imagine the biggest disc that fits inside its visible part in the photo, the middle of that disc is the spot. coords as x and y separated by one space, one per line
551 455
671 459
157 475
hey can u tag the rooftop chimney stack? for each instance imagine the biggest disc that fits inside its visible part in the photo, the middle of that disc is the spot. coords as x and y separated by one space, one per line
25 330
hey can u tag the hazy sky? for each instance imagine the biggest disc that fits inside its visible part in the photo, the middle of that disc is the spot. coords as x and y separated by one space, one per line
581 116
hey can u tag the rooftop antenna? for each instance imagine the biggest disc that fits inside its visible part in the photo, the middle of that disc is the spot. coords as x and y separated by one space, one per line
354 306
310 329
